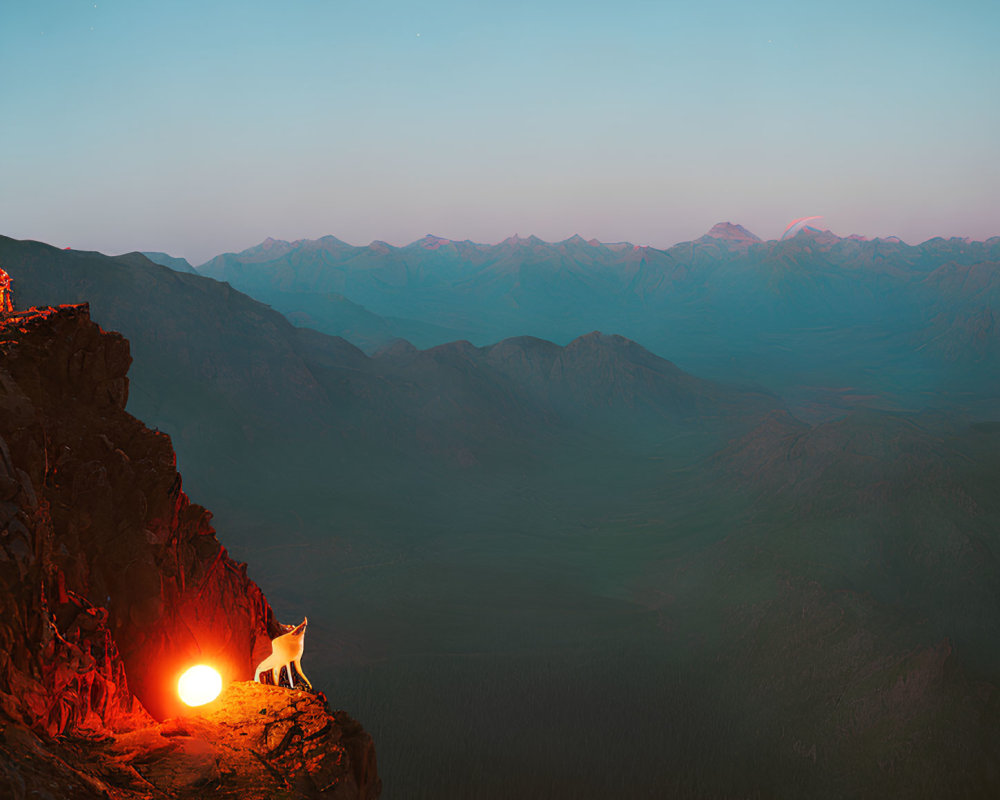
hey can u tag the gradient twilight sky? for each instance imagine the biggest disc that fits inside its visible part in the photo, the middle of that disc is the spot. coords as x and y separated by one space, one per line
197 127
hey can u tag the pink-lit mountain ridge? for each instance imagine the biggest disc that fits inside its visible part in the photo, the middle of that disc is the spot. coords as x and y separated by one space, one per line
726 304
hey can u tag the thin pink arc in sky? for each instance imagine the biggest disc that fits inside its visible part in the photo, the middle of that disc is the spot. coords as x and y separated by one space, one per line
795 222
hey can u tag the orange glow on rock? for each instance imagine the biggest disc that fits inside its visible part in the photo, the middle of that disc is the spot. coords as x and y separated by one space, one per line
199 685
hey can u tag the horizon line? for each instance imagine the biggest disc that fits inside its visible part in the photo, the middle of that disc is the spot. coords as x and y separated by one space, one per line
806 230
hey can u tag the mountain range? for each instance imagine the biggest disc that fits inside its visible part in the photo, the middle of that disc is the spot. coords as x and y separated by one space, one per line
543 547
913 324
227 375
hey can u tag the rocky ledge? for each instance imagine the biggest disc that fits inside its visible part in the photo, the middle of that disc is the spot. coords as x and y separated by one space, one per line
255 742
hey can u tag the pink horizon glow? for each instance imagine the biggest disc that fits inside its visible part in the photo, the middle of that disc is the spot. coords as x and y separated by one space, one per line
795 222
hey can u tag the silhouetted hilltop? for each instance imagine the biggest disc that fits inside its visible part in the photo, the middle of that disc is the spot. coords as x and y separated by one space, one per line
211 365
176 264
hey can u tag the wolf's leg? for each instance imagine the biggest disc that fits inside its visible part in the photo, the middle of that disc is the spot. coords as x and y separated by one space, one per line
291 679
298 666
276 674
263 666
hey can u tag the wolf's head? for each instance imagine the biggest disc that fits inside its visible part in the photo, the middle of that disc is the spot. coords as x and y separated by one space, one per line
299 630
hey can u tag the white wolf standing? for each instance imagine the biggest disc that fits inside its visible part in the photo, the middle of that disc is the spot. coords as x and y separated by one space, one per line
285 651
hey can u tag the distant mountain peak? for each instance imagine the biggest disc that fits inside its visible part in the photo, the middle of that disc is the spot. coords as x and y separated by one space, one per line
820 236
729 232
519 240
618 247
432 242
331 239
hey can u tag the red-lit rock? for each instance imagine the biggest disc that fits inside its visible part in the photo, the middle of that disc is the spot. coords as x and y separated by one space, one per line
255 742
112 582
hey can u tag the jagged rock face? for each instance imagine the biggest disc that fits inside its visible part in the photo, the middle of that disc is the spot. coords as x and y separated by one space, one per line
107 570
60 669
107 565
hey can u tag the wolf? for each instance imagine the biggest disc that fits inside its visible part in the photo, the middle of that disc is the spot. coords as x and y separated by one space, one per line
285 651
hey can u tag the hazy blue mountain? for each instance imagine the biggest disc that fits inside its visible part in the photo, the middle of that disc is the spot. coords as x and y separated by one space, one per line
176 264
804 316
336 315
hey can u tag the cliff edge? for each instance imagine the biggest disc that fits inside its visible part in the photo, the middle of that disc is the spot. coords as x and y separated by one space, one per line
111 584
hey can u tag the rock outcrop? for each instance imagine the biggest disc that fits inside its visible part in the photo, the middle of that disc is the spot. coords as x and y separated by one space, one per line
111 581
255 742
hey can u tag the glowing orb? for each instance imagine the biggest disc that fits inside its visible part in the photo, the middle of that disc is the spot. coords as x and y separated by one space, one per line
199 685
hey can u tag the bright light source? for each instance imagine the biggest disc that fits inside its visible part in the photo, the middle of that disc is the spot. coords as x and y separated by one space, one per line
199 685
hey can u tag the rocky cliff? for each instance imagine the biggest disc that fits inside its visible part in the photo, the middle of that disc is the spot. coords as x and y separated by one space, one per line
112 583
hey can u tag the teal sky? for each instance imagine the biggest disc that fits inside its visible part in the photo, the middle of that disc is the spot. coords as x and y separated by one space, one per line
200 127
